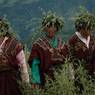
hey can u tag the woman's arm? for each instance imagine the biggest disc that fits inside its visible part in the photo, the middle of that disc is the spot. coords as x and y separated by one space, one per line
23 67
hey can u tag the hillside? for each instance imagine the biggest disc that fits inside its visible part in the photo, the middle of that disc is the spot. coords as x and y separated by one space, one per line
25 15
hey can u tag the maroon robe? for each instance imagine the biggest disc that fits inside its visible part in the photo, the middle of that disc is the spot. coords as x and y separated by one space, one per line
9 69
76 49
49 58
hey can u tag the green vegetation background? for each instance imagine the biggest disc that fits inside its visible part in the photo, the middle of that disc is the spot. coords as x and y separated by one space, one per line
25 18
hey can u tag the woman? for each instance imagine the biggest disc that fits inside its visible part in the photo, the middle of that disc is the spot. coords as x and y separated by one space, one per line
45 52
13 67
81 46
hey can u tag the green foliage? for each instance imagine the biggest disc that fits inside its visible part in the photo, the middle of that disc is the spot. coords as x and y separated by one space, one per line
85 18
51 19
64 83
48 19
5 28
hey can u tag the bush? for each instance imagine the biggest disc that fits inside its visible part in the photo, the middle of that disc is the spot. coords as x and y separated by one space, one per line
64 83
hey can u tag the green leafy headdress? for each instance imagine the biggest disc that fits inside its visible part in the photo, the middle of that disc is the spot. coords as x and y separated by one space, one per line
85 20
4 27
51 19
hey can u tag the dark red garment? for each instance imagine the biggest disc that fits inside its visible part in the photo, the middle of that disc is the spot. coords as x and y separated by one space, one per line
76 49
48 56
8 84
9 69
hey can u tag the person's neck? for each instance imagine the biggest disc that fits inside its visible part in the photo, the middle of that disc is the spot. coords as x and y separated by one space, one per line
85 34
86 37
50 38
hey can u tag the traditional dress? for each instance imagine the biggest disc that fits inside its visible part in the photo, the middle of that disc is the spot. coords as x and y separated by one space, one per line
12 64
44 55
79 48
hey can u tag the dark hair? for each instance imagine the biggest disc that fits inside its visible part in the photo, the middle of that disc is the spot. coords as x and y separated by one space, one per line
85 21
